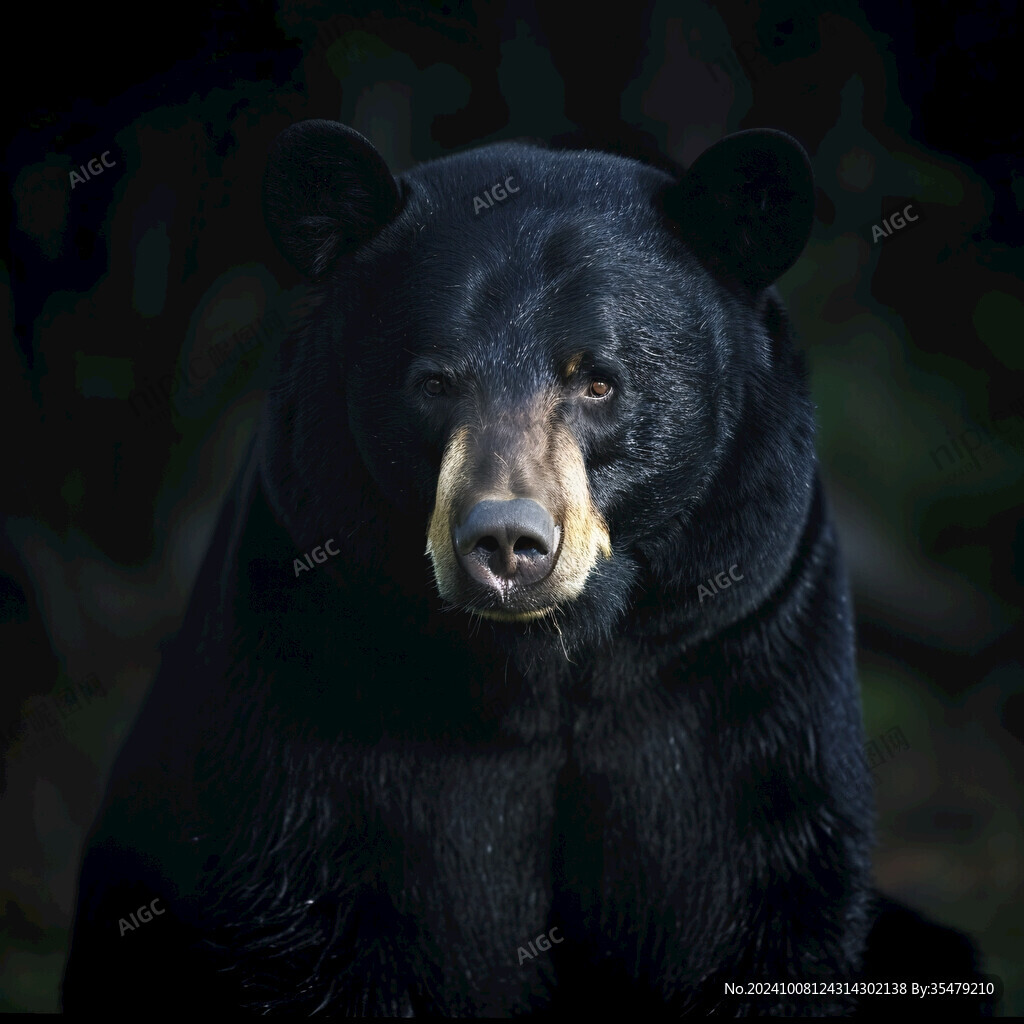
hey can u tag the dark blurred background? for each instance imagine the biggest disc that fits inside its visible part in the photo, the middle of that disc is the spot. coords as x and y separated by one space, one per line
145 303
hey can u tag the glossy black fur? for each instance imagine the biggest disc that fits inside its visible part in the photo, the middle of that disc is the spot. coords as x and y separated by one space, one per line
350 798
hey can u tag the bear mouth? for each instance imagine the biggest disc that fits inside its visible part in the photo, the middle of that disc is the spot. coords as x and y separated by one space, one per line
510 616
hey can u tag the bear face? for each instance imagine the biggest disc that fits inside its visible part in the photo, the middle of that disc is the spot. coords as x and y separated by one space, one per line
584 387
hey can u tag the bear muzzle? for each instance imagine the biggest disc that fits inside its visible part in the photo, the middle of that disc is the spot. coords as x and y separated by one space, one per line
514 533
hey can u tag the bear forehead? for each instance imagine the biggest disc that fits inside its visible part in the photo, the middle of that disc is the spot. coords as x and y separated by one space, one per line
531 282
581 234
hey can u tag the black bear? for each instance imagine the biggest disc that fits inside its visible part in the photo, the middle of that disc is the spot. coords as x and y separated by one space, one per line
541 767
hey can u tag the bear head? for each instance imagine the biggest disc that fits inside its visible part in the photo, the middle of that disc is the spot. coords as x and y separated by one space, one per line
565 374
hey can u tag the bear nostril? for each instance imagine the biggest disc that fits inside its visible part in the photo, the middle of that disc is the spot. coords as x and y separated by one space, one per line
529 545
489 544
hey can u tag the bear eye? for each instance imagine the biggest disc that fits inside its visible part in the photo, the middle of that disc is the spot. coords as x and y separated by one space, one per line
598 389
434 386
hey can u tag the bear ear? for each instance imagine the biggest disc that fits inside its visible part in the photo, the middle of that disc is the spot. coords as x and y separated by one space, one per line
326 190
746 205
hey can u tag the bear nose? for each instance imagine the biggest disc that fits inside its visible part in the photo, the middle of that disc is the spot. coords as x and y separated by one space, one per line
504 541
